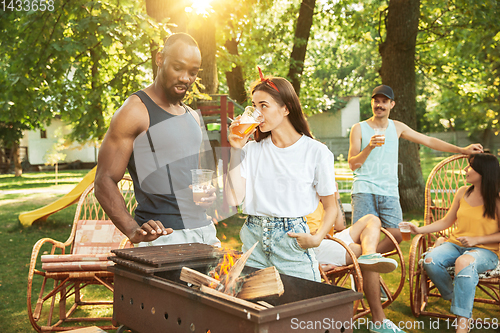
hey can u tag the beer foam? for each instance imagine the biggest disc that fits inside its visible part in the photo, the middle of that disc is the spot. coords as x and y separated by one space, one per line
246 119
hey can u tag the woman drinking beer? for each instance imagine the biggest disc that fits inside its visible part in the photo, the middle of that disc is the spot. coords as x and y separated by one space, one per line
280 178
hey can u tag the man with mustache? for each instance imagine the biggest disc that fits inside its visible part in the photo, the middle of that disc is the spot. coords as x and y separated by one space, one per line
158 138
374 160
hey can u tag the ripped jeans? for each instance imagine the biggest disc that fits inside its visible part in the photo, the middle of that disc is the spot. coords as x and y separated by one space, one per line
462 289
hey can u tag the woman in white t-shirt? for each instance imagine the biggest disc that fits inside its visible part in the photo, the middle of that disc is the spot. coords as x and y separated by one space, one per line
280 178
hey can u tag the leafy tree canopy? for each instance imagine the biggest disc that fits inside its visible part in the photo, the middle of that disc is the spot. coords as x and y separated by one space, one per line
79 61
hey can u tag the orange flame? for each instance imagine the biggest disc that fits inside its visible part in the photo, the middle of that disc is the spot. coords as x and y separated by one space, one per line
221 271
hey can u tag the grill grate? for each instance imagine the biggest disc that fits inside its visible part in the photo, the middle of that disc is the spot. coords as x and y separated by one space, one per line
153 259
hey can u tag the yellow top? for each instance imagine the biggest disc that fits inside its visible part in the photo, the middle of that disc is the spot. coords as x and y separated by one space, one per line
471 222
315 220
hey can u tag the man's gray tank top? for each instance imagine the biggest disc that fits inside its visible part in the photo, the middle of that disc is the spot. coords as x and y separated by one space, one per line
160 167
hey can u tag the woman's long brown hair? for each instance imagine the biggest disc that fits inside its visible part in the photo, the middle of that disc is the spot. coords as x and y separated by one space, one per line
488 167
284 96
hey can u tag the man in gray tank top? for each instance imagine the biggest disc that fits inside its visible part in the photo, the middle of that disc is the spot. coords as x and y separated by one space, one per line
158 139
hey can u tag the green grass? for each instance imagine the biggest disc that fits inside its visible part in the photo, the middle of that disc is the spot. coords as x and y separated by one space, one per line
33 180
17 243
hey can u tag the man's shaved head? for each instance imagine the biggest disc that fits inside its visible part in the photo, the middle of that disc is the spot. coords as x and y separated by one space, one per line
172 39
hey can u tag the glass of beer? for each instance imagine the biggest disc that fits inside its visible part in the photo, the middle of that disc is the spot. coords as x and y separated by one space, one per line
381 132
250 119
405 229
201 182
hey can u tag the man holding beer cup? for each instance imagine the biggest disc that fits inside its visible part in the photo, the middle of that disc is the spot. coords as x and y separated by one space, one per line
373 156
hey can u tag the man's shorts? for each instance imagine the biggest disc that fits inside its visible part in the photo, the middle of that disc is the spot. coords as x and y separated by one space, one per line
388 209
331 252
205 235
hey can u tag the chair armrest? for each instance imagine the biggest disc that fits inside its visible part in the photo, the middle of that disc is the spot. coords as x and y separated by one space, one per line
418 245
126 243
353 257
36 250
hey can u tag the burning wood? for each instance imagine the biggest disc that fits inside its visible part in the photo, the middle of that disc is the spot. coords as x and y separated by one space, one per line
260 284
263 283
228 286
219 294
196 278
264 303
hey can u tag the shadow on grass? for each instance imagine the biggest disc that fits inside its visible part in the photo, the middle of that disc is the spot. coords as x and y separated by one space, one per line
40 179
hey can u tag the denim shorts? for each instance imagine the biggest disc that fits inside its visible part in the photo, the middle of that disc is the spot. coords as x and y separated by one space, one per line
276 248
387 209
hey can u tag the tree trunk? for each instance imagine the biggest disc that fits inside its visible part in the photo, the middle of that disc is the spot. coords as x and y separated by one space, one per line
234 78
487 138
159 10
398 72
96 103
16 156
302 32
203 31
174 10
153 48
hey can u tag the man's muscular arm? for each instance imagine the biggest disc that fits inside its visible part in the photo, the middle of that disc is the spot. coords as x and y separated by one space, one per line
409 134
127 123
356 156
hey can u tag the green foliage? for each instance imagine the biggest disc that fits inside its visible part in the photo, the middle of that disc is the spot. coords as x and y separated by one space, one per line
79 61
264 31
341 60
459 59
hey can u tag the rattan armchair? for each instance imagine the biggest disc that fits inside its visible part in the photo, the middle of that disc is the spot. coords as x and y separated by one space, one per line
59 271
442 184
350 276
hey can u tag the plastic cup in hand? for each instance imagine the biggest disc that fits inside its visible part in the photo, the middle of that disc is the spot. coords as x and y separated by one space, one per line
202 181
380 131
250 119
405 229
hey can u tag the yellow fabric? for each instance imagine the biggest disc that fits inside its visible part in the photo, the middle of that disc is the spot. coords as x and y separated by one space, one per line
315 220
471 222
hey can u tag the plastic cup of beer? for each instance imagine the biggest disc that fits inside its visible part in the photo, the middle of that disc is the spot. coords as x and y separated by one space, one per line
405 229
380 131
250 119
201 182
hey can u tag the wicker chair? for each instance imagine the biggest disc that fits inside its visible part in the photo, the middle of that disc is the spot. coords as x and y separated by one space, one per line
442 184
349 276
59 271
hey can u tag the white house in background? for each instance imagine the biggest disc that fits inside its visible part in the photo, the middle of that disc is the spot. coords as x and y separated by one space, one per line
332 128
40 144
327 125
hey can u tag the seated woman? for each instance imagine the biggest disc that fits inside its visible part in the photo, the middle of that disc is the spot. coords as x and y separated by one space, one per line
473 246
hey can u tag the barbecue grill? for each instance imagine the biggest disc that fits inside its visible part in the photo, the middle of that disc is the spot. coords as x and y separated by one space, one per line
149 297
